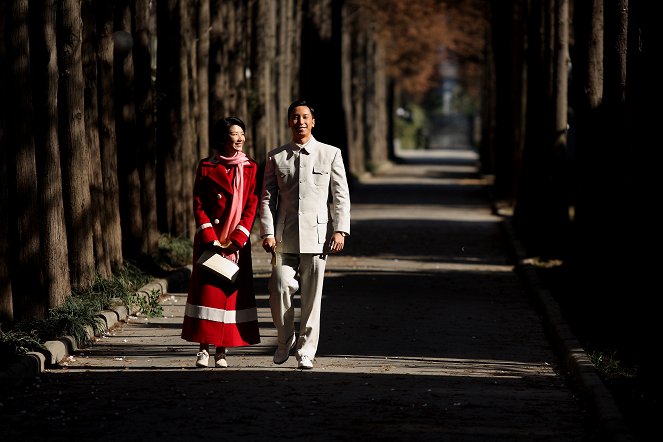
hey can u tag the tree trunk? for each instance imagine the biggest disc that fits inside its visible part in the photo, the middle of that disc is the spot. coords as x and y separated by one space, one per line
128 150
185 224
75 153
509 69
587 96
321 49
168 122
641 164
230 40
145 127
353 62
264 63
29 299
107 139
202 77
101 258
288 36
54 249
6 307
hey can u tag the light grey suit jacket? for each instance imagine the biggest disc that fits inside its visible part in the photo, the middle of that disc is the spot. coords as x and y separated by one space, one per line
305 197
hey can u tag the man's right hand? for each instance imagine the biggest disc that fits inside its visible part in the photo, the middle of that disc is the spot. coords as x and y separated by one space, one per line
269 244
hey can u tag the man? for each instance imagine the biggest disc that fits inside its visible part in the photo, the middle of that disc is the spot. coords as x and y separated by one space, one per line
304 215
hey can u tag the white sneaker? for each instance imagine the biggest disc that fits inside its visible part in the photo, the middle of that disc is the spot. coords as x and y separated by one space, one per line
305 363
202 358
220 360
283 353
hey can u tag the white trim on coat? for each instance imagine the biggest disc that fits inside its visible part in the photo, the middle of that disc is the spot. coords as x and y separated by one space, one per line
221 315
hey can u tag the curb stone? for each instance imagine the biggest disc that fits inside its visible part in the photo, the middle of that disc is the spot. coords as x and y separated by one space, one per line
584 374
32 364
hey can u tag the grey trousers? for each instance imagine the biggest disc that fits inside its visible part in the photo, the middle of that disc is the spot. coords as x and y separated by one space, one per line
291 272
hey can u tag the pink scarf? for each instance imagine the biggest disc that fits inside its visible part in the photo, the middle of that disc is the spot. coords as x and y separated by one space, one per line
239 159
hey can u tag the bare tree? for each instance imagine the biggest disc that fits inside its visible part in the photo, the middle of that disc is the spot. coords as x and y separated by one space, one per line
54 248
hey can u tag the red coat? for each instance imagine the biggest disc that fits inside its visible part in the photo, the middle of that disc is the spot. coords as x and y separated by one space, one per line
218 312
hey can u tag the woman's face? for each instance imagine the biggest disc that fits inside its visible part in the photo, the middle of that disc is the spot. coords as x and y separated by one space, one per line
235 140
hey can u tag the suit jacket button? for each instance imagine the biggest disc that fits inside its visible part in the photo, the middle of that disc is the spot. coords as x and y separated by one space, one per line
219 196
216 221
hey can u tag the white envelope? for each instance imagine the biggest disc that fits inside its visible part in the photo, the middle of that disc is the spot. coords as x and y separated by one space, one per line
218 265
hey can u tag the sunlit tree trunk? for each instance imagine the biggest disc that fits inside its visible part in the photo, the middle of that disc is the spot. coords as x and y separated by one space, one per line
54 249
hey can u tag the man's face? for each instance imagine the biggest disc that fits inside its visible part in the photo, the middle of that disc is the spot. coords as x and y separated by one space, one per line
301 122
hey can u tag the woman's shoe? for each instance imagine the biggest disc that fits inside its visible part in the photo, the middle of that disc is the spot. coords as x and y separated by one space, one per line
220 359
202 358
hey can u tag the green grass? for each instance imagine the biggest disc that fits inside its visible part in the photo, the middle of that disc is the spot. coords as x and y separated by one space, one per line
79 312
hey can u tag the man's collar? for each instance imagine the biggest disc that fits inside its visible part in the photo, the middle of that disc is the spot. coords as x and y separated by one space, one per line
306 146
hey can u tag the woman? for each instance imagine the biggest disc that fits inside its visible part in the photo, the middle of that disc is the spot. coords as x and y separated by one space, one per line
218 312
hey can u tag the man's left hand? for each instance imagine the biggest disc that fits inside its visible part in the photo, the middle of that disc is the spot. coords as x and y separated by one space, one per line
336 242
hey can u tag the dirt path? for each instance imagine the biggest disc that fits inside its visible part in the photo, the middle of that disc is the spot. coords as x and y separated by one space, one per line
427 335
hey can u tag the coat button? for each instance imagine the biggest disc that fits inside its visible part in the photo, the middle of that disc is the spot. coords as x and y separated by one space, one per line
216 221
219 196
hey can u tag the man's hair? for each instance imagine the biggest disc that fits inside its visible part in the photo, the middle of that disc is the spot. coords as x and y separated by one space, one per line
220 129
298 103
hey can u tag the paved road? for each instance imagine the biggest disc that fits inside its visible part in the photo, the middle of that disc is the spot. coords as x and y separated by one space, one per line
427 334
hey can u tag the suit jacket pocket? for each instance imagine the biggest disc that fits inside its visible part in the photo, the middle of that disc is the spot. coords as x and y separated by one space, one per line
320 175
284 175
322 228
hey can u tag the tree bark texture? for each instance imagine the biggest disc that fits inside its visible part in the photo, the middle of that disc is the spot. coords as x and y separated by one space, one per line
29 300
89 53
353 65
185 223
6 306
54 248
75 154
202 78
263 76
169 125
145 127
127 146
107 137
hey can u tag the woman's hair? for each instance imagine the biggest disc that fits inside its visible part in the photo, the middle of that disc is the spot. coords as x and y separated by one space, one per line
220 129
